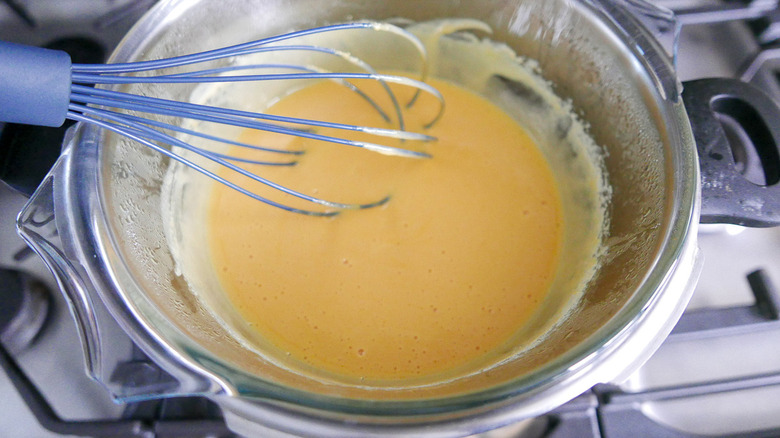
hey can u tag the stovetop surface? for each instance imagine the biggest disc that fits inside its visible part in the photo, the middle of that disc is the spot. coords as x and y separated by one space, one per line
694 360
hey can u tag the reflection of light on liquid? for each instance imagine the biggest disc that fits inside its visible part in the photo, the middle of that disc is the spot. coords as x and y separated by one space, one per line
729 229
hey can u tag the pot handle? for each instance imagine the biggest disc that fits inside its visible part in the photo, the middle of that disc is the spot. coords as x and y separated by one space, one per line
724 109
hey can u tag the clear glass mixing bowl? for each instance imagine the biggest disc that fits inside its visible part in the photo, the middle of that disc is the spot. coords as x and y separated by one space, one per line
96 221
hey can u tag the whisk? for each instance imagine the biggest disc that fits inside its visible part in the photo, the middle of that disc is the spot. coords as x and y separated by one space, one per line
41 87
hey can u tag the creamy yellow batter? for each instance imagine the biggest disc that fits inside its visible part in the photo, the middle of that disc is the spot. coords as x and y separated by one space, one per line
479 252
442 275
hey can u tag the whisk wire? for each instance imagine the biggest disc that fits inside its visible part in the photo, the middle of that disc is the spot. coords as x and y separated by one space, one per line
101 78
143 135
175 79
311 69
227 52
245 119
214 138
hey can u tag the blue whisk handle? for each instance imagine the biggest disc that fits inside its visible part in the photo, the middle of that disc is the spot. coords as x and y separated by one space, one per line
34 85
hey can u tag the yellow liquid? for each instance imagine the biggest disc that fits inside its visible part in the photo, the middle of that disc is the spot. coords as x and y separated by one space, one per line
439 278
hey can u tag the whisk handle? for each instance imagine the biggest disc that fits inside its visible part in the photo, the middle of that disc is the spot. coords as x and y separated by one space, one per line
34 85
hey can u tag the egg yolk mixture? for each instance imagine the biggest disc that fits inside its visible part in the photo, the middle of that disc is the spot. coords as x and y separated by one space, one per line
441 277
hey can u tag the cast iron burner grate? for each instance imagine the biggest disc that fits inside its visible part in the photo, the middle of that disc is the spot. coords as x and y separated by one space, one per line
167 418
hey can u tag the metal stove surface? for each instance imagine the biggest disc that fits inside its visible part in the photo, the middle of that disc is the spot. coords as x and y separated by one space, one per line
705 380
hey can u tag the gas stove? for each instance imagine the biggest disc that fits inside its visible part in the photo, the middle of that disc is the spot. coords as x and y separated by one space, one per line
717 374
